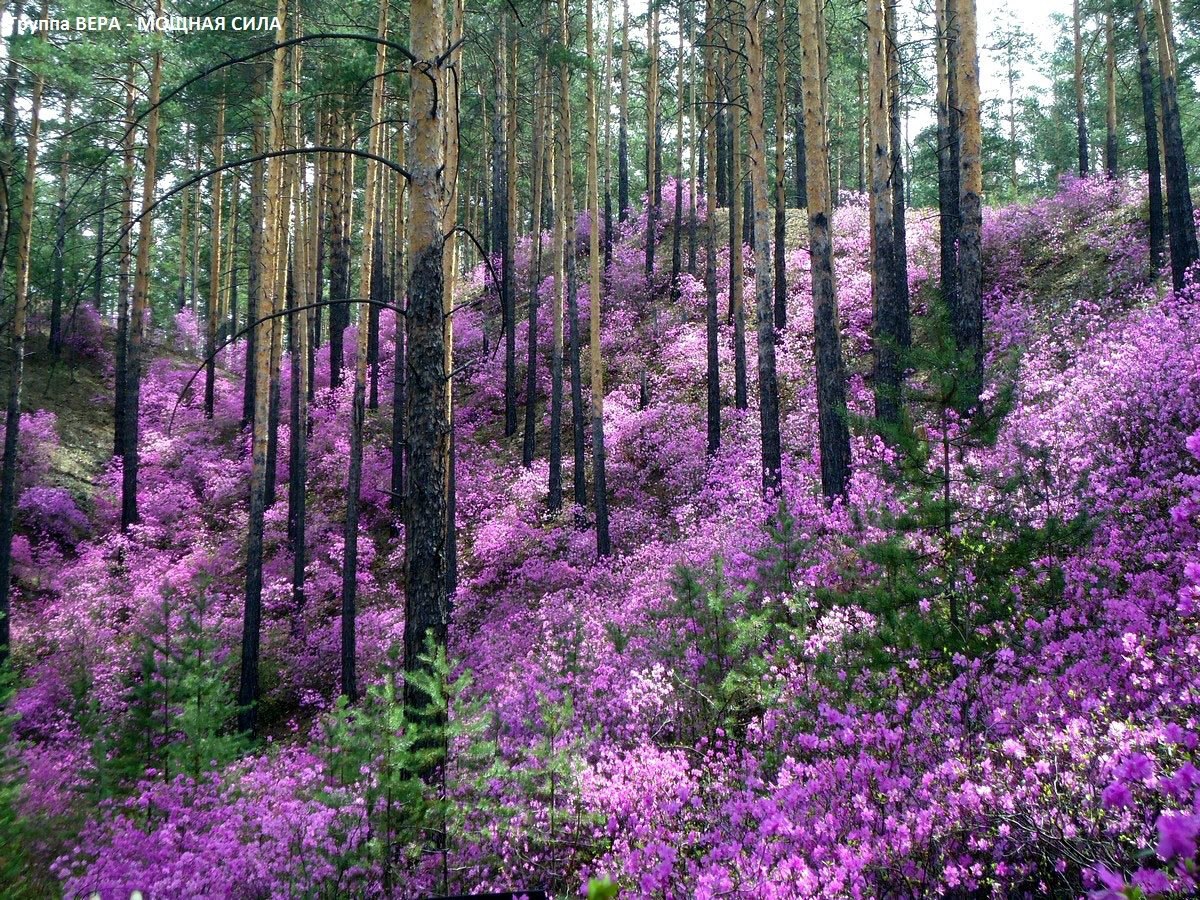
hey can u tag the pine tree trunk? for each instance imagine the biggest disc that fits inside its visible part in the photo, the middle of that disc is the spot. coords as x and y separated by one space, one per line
780 256
567 212
768 384
98 265
270 287
1150 120
501 226
125 260
16 360
737 311
428 428
677 223
349 681
600 490
886 325
970 264
623 127
948 144
1110 85
1179 195
1081 128
339 261
254 286
140 303
184 242
713 371
60 234
693 186
399 298
834 435
540 129
653 197
214 265
900 247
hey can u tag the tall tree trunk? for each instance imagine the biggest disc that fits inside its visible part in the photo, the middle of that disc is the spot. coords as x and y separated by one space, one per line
501 226
713 370
1081 127
140 304
652 195
693 186
1179 195
608 90
834 434
600 489
900 270
399 449
886 325
349 680
800 188
578 428
1150 119
537 182
7 133
98 265
623 127
737 311
768 384
1110 85
60 233
780 256
554 499
948 156
16 359
339 257
970 264
428 428
185 256
255 288
124 282
214 265
677 222
270 287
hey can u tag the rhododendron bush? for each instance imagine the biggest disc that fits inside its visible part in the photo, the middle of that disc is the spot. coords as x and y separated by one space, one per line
977 675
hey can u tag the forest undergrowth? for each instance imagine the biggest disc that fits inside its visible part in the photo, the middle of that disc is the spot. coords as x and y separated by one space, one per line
973 677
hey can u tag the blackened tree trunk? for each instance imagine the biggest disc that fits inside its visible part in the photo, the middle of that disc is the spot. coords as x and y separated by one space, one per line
254 279
652 193
428 425
737 309
677 222
537 184
1184 251
1081 127
800 188
1110 86
501 226
1150 120
16 360
125 260
140 304
578 428
339 258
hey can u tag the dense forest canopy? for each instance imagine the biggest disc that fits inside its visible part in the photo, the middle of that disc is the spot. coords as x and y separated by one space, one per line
589 447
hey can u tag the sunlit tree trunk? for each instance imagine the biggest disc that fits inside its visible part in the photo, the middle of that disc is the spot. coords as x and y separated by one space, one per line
567 213
834 435
16 361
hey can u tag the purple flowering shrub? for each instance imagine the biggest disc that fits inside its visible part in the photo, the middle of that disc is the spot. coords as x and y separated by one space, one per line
747 699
